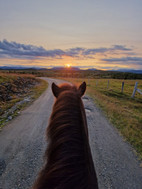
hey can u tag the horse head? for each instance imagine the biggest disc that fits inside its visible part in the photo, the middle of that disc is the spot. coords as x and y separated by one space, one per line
57 90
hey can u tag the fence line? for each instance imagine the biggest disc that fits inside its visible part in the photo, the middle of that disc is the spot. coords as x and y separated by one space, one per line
122 87
136 89
108 84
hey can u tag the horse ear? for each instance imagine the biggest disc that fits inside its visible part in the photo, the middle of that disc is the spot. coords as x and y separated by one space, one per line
55 90
82 88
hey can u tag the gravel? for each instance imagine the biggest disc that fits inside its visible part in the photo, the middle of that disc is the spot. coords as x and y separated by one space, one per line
116 163
23 143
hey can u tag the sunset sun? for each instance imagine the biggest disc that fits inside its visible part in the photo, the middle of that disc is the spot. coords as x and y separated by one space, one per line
67 65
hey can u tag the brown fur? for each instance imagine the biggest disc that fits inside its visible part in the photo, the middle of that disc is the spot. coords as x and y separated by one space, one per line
69 162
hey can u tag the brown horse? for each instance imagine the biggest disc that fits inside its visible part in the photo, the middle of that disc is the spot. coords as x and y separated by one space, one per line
69 163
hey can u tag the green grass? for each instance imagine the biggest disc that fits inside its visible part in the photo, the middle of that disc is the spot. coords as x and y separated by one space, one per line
123 112
39 89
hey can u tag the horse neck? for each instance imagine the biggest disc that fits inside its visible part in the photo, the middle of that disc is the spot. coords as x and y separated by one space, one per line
87 146
83 116
68 119
68 127
68 157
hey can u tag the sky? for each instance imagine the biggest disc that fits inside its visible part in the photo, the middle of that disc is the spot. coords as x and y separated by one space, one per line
104 34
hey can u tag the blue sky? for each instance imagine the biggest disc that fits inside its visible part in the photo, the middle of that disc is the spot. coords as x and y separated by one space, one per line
88 33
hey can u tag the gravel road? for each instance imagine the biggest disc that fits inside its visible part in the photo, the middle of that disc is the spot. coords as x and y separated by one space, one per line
22 146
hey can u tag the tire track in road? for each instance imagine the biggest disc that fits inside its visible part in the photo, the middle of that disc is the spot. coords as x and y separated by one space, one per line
22 143
116 164
22 146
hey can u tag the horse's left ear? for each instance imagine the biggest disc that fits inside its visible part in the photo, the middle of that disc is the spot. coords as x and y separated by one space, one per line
82 88
55 90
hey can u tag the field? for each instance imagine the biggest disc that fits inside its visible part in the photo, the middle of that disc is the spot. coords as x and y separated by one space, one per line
16 92
123 112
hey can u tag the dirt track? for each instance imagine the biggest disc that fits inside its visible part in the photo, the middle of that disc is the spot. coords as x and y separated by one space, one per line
22 145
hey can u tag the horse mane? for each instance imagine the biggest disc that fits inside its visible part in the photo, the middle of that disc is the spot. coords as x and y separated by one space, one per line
69 163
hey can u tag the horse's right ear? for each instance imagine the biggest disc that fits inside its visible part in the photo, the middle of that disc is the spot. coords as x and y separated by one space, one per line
82 88
55 90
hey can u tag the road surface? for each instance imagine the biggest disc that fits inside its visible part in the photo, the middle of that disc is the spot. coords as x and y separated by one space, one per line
23 143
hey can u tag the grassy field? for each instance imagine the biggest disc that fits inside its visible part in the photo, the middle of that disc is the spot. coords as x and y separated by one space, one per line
123 112
9 88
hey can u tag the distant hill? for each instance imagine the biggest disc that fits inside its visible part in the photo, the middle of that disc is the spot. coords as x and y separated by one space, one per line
61 68
127 71
65 68
20 68
130 71
8 68
92 69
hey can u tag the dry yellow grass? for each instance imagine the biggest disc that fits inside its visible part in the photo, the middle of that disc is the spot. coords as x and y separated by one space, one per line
6 77
34 92
123 112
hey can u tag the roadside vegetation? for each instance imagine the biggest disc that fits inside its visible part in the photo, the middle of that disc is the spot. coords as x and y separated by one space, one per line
76 73
124 112
16 92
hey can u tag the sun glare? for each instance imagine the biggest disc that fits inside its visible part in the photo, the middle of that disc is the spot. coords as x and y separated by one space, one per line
67 65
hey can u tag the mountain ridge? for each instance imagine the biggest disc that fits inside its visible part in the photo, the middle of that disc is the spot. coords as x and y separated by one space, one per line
58 68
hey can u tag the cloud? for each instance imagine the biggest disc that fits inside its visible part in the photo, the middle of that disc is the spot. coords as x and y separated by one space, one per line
23 51
137 60
93 51
74 52
121 48
17 50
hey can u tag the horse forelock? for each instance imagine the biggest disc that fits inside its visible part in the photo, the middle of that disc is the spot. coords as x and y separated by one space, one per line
66 115
68 157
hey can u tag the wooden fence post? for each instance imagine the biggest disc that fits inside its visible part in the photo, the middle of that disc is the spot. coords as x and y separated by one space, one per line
122 87
139 91
135 89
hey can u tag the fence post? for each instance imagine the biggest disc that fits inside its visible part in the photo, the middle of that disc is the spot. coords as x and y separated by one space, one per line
122 87
135 89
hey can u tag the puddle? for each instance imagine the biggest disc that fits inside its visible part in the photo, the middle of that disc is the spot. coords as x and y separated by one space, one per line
87 110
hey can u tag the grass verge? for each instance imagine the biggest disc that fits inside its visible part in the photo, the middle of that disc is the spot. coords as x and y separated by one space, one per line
123 112
11 108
